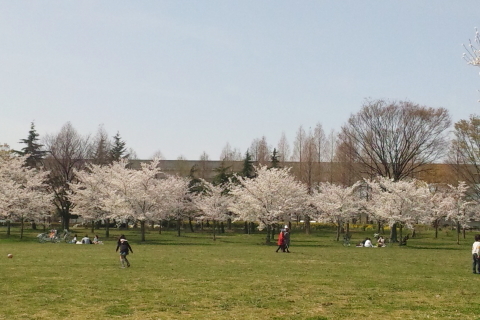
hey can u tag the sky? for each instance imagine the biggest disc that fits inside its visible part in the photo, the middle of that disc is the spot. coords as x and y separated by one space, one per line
187 77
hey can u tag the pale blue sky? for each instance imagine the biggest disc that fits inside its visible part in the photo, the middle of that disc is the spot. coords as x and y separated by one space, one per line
185 77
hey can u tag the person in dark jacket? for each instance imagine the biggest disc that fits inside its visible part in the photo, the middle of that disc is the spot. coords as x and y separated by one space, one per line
124 247
286 239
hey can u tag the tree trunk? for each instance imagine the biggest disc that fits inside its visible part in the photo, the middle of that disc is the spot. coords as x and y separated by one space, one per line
393 233
8 227
34 226
214 223
252 227
307 224
107 228
142 230
190 224
65 222
339 228
229 224
464 235
160 228
435 224
93 226
269 229
21 228
379 226
401 233
246 227
178 227
348 228
458 232
222 227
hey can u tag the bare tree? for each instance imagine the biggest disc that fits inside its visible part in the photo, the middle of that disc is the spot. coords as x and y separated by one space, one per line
309 161
157 155
346 161
331 145
203 165
66 151
229 154
321 145
464 155
320 142
298 145
101 146
260 151
396 139
283 149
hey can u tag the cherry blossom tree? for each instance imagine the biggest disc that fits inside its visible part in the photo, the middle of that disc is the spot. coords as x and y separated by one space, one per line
175 200
472 56
142 192
214 204
94 196
139 195
23 191
437 207
268 198
335 203
460 210
400 203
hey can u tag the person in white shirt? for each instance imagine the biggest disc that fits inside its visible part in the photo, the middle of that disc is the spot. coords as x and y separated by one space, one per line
475 254
86 240
368 243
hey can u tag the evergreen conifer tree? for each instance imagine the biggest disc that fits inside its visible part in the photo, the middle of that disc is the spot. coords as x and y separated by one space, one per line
222 176
275 163
248 171
118 149
32 148
195 185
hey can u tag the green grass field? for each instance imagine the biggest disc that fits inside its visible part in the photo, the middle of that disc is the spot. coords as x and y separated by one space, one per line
238 277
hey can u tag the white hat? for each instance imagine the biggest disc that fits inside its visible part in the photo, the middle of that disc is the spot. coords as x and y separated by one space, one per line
286 227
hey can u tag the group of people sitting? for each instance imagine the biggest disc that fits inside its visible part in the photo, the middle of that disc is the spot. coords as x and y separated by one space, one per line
86 240
367 243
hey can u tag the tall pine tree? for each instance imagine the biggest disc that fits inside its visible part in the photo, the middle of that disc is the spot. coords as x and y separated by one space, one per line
32 148
248 171
118 149
274 162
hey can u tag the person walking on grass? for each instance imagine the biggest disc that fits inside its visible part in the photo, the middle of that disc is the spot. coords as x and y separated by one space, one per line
280 241
124 247
286 239
475 254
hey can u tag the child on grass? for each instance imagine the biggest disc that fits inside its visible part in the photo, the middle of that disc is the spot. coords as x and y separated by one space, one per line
124 247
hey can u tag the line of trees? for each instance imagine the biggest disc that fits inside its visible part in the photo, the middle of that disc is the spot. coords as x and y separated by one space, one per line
391 140
273 196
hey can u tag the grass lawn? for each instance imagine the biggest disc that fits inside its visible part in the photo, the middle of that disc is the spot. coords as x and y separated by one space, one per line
238 277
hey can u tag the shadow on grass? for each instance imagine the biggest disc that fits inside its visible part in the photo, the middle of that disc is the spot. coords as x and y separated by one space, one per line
172 243
434 248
